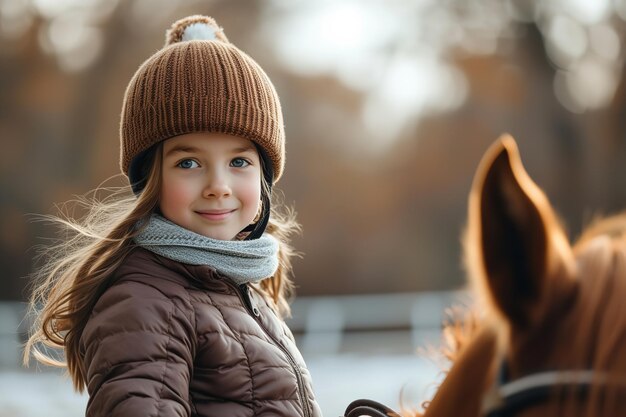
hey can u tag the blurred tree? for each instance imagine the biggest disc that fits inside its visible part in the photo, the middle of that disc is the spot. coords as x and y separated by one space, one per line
388 108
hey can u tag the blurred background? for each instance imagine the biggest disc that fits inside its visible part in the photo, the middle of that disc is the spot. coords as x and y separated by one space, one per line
388 108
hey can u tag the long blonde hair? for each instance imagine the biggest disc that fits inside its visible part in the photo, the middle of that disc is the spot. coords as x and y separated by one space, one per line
77 270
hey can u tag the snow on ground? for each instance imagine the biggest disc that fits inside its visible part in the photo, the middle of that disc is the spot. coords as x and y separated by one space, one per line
338 380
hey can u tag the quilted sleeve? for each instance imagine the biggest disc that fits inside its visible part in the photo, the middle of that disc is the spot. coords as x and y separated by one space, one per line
139 347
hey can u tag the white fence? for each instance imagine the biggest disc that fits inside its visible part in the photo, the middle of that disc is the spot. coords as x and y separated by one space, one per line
336 324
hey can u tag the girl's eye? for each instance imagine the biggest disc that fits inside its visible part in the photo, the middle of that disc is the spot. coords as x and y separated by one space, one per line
187 164
239 163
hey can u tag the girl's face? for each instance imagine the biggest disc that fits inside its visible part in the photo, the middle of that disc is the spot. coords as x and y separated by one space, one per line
211 183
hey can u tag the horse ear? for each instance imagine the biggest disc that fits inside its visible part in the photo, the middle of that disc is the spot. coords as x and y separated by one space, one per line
518 246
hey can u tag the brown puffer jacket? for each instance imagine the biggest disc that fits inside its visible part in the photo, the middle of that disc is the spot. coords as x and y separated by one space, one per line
168 339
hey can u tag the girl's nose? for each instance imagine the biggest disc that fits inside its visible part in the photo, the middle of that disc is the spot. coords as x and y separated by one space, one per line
217 185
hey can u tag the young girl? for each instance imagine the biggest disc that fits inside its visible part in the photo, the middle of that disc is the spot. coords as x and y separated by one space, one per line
169 302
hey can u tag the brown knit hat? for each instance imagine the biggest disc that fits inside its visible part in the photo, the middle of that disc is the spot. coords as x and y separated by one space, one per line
200 82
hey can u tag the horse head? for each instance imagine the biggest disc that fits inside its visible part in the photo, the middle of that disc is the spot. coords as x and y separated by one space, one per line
552 335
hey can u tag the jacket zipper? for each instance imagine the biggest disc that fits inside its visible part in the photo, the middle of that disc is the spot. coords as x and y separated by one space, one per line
244 294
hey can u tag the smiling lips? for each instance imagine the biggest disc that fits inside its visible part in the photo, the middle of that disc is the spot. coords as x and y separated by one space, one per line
215 215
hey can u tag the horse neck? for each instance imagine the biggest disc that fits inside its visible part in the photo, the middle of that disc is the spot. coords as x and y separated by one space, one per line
462 390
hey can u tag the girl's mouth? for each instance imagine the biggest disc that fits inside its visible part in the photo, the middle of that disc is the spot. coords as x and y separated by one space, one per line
215 215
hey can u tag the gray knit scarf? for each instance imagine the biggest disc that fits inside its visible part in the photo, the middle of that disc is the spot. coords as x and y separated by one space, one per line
240 260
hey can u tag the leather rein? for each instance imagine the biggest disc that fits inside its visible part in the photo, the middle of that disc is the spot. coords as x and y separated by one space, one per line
505 398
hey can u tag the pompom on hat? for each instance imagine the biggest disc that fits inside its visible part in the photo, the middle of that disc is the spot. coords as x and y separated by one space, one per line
199 82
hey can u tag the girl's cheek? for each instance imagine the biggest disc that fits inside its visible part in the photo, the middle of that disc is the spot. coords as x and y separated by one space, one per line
175 191
253 189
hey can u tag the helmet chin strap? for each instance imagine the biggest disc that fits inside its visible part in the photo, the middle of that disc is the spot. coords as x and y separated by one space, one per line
257 229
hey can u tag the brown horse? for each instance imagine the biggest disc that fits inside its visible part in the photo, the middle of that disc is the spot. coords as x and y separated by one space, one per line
552 339
551 335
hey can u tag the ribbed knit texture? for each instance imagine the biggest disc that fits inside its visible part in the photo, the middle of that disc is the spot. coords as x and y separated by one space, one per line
201 86
242 261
